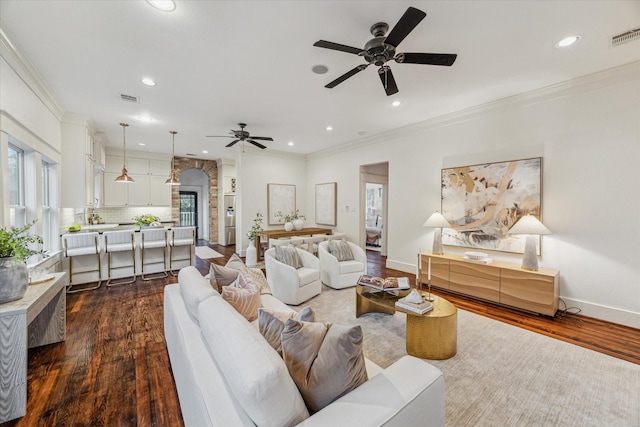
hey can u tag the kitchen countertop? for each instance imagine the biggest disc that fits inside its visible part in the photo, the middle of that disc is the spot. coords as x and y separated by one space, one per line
124 226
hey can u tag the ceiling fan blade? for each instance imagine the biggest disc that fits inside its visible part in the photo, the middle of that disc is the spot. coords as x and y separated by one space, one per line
446 59
405 25
388 82
257 144
218 136
336 46
346 75
232 143
262 138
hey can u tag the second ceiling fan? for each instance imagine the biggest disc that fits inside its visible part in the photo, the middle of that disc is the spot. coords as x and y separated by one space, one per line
243 135
380 49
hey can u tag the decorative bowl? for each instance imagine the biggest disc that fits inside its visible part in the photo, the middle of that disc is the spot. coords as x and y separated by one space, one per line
476 255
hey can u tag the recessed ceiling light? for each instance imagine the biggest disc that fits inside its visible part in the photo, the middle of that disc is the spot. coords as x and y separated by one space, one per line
142 144
396 103
205 152
163 5
329 128
319 69
290 143
568 41
146 119
148 81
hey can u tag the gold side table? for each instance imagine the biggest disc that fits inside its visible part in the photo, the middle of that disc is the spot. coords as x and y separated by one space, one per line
433 335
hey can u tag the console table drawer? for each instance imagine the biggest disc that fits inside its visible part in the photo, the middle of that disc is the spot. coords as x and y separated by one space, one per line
475 286
529 291
476 270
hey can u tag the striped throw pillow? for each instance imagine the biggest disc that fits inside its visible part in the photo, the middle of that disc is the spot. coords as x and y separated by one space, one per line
341 250
288 255
246 300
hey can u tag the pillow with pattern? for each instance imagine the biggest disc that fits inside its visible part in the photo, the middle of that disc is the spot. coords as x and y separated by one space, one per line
341 250
288 255
245 298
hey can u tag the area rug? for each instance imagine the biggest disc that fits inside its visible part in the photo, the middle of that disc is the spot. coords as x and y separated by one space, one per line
503 375
205 252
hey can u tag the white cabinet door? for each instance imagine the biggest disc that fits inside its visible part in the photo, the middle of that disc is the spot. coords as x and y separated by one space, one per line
138 191
160 168
88 182
137 166
159 192
113 164
114 193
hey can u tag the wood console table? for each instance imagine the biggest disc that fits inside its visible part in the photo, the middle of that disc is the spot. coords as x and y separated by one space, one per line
276 234
39 318
500 282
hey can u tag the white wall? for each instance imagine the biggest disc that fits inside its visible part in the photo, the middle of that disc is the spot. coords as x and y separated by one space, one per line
588 133
254 171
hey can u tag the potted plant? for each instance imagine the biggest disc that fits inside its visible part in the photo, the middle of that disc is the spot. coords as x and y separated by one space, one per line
15 248
251 258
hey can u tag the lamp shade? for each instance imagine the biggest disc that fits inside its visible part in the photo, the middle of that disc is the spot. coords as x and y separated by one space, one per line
529 224
436 220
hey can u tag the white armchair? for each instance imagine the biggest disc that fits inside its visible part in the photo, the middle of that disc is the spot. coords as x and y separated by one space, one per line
341 274
290 285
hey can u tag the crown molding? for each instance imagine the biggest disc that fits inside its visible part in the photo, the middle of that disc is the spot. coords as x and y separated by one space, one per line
575 86
28 74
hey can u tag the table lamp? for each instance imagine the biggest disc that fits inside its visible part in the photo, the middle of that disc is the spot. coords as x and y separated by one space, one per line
437 221
531 226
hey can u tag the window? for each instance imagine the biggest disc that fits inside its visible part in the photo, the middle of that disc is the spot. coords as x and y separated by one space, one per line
17 208
46 208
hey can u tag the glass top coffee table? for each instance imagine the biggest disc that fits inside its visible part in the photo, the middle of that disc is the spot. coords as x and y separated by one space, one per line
433 335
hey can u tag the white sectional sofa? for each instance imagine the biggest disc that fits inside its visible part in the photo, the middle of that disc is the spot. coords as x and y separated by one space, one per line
227 374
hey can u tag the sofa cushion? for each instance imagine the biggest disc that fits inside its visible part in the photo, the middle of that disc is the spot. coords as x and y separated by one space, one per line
288 255
308 275
256 375
220 276
244 297
194 289
324 360
271 323
346 267
340 249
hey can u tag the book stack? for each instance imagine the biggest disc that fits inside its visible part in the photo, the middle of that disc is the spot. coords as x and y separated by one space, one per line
419 308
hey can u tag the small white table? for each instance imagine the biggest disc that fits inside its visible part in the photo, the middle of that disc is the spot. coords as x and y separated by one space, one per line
39 318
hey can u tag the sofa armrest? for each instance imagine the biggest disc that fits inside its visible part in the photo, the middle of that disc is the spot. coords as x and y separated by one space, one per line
409 392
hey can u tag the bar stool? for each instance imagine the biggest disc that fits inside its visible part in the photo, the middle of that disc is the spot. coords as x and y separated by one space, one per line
120 241
81 244
153 238
181 236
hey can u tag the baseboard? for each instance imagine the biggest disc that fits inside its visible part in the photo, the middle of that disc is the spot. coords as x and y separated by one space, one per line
602 312
588 309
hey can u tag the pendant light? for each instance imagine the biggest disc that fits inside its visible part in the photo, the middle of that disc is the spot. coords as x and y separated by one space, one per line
124 177
173 179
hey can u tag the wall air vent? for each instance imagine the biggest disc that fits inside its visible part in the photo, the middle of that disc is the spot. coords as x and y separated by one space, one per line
129 98
625 37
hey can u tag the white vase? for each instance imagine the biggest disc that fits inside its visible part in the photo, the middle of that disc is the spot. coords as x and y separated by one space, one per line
288 226
14 279
298 224
251 256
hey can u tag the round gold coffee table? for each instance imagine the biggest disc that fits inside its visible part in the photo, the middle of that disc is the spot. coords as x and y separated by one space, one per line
433 335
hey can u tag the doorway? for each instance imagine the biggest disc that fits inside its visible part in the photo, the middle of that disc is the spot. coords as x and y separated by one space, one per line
373 206
189 209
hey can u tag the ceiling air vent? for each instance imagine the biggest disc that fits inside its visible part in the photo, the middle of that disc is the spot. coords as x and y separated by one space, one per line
129 98
625 37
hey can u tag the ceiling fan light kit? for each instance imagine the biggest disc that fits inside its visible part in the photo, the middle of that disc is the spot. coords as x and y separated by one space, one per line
380 50
243 135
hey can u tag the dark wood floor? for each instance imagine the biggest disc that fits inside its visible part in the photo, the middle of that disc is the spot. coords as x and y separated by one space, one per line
113 369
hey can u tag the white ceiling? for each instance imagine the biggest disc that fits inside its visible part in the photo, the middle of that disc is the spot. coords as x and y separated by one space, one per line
217 63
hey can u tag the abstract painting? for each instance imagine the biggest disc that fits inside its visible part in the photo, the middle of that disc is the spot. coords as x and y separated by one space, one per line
280 198
326 203
483 201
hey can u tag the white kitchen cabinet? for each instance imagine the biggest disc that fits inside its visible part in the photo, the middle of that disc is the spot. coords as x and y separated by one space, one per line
145 190
77 176
114 193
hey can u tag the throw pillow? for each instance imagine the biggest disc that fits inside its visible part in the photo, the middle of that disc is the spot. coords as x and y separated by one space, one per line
288 255
324 360
220 276
245 301
236 263
271 323
341 250
255 276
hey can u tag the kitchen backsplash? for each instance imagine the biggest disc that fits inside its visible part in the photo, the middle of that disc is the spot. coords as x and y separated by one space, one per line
70 216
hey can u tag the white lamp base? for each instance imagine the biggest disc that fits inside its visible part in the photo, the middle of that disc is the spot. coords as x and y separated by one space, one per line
530 257
437 241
